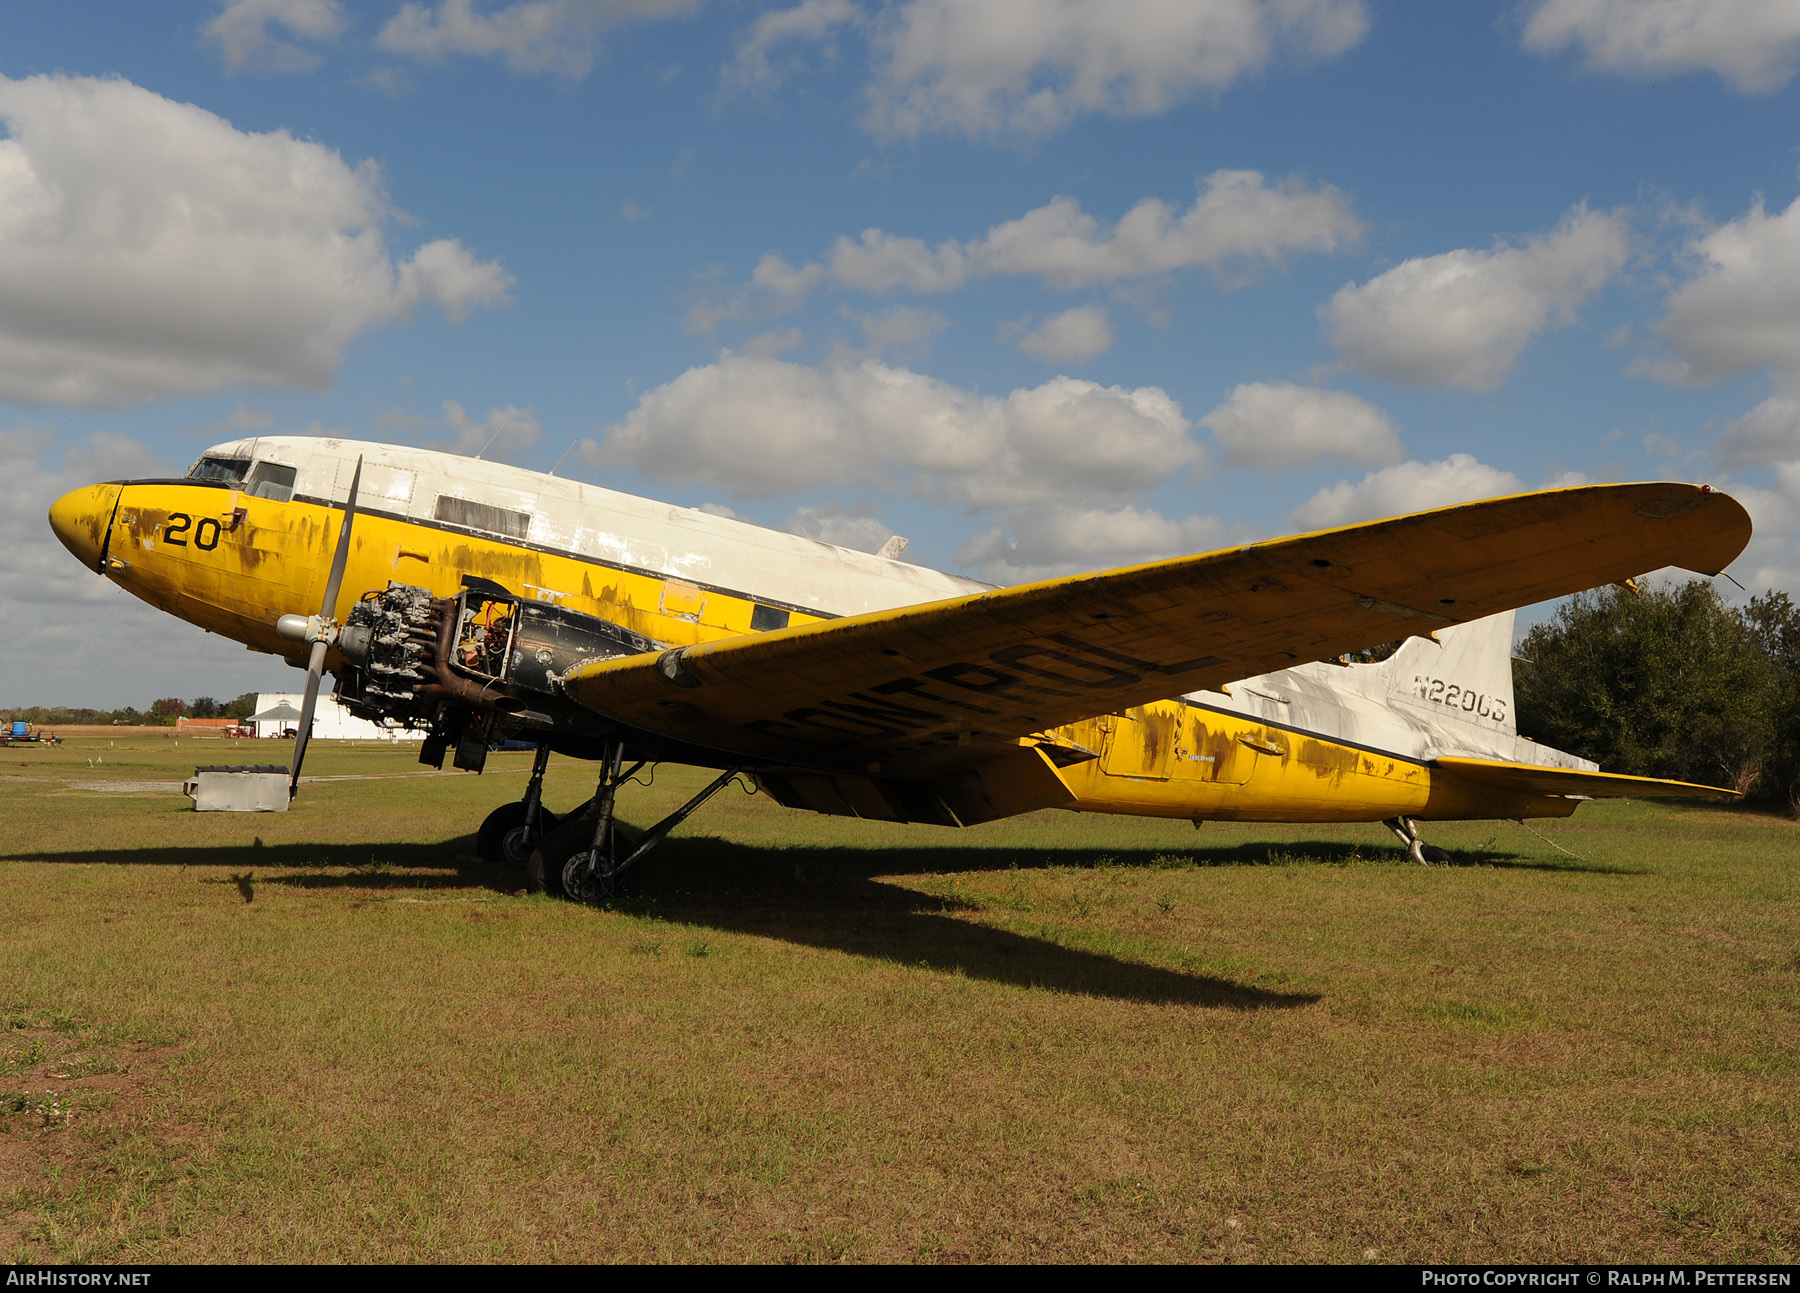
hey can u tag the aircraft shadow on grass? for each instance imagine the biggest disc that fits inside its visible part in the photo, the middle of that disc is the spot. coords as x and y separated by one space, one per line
826 897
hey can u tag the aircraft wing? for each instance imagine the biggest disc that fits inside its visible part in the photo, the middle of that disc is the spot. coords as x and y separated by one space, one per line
922 690
1532 778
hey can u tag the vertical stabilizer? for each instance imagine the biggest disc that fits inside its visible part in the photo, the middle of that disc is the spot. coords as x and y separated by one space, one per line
1465 676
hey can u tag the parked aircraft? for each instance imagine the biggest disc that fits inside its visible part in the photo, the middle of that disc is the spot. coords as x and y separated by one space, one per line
484 602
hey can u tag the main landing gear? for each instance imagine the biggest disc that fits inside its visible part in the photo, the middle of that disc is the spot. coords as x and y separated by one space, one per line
1408 831
587 855
512 830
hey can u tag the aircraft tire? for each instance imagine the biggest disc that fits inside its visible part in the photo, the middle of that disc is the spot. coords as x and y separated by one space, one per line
494 827
516 845
500 838
1433 856
543 871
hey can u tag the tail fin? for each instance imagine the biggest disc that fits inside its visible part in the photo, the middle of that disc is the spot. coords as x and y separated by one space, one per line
1463 676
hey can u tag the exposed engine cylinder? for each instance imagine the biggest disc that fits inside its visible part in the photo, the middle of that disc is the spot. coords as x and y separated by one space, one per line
389 636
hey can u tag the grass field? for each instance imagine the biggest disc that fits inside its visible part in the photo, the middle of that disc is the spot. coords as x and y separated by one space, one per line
331 1035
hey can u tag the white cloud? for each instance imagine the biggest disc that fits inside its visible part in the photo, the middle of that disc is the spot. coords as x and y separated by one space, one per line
876 262
766 344
903 328
1768 433
1751 43
78 639
1280 425
152 250
1070 337
555 36
1742 310
1236 218
1462 318
1402 488
241 30
1772 559
752 427
1768 438
1042 542
502 433
38 569
845 525
1238 222
1028 67
446 274
244 417
811 20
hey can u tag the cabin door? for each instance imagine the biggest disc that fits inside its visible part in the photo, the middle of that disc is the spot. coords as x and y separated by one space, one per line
1141 744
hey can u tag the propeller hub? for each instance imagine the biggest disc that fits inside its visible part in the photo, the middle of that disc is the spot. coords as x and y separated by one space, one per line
307 628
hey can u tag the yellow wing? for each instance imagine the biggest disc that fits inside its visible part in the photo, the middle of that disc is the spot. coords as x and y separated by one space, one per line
1533 779
925 689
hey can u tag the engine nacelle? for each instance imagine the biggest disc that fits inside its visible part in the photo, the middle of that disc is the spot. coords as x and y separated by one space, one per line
472 668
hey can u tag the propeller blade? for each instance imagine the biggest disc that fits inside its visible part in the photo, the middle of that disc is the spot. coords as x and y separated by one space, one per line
315 667
338 558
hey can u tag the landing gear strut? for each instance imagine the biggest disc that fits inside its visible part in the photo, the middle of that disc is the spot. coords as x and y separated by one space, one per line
1408 831
587 857
512 830
592 874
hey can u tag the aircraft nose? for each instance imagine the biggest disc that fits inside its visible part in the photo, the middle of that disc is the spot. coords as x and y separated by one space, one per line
81 519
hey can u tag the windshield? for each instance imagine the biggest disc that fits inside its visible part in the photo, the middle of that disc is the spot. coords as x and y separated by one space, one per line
230 470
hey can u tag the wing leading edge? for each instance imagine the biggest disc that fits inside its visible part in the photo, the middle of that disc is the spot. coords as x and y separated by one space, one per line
924 690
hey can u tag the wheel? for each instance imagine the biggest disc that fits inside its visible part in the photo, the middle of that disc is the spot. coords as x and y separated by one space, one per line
503 838
506 817
560 848
578 883
1431 855
544 868
517 843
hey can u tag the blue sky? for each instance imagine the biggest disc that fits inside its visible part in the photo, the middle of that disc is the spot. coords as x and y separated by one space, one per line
1040 284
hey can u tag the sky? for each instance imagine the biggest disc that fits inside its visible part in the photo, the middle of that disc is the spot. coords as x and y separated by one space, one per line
1041 285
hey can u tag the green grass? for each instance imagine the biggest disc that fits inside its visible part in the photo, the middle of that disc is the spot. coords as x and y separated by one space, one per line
327 1035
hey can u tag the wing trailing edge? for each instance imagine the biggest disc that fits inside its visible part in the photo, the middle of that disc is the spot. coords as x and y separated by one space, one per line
1495 776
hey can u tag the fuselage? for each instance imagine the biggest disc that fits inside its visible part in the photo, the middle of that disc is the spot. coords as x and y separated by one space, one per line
248 536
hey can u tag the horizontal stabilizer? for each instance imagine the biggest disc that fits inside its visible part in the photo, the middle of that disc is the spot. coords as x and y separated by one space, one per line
1535 779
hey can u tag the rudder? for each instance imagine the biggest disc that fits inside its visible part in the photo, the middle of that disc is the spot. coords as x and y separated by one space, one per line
1463 676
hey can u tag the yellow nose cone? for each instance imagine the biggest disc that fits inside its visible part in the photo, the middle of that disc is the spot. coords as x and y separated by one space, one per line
81 519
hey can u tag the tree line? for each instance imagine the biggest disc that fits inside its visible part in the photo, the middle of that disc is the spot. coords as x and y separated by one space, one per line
162 713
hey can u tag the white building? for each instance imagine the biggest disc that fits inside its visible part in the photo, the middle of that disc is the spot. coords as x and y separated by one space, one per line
331 721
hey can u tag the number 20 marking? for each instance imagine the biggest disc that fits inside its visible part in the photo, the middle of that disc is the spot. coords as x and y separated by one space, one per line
206 534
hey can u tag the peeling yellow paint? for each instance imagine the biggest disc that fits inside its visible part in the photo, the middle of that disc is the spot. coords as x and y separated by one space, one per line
276 560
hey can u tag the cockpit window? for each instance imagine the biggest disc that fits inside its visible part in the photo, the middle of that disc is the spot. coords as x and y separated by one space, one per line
271 480
229 470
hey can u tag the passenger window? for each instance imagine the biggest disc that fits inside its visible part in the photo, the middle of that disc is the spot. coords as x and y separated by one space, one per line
483 516
271 480
229 470
764 618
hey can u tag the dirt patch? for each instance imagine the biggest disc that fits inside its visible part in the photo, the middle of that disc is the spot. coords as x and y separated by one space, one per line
66 1095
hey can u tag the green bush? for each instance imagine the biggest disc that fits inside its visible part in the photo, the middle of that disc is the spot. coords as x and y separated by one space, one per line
1668 682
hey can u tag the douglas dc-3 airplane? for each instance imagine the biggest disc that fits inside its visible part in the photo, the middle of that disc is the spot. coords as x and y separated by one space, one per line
483 602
